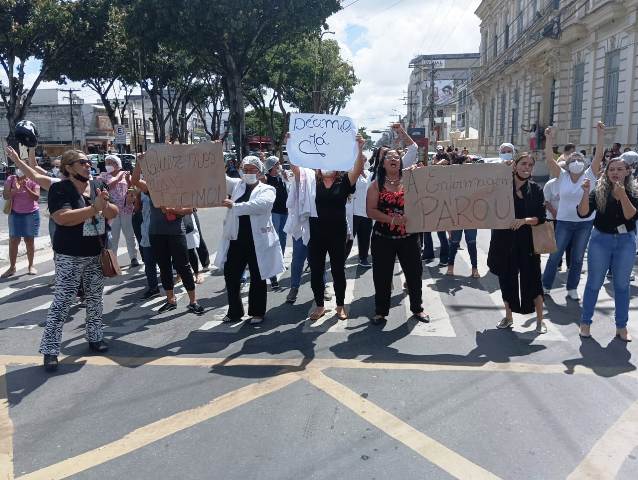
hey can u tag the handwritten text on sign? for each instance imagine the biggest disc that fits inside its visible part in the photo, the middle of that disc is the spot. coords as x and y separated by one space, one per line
458 197
322 141
185 175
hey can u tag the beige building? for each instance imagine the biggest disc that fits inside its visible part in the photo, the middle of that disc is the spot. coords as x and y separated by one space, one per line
568 63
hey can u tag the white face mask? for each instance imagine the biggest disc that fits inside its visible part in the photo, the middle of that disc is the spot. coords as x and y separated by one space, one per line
576 167
327 173
506 157
19 173
110 168
249 178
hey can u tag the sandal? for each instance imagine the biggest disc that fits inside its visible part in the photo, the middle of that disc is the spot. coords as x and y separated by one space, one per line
317 313
9 273
422 317
541 328
584 331
626 337
341 313
475 273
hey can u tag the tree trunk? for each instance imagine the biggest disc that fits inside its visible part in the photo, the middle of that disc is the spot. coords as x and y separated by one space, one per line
237 119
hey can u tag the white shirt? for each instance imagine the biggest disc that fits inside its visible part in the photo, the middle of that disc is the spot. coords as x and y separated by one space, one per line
360 195
550 191
570 195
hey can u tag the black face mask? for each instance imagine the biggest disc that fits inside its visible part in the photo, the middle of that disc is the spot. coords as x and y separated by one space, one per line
80 178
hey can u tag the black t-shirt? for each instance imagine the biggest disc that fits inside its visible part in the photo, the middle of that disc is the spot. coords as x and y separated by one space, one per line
331 202
245 232
612 218
282 194
78 240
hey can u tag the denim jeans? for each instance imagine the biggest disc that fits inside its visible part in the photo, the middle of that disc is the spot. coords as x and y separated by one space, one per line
150 267
428 246
470 241
299 255
279 220
578 234
609 251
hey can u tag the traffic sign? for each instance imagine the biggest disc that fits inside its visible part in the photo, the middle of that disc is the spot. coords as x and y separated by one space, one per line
120 135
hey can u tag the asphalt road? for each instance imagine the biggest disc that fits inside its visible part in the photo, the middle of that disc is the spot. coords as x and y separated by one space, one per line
187 397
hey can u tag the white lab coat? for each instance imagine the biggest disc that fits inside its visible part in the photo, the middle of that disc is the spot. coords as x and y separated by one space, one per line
266 241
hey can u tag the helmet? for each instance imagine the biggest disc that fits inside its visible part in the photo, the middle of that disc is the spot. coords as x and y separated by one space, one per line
26 133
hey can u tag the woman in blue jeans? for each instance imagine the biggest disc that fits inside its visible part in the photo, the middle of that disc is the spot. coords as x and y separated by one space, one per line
570 227
279 213
613 241
470 241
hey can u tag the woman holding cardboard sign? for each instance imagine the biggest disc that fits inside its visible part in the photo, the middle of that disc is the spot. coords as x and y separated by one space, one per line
511 256
249 240
328 229
385 205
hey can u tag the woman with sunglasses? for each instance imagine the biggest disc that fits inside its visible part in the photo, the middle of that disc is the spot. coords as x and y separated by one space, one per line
80 208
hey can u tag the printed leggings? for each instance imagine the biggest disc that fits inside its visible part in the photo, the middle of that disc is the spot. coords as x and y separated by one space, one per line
70 272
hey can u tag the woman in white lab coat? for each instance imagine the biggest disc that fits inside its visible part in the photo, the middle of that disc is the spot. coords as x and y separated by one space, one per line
249 239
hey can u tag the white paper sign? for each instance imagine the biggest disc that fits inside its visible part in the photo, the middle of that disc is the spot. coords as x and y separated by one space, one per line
322 141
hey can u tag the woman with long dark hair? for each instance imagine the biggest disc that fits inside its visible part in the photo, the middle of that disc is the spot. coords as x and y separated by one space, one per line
385 205
612 246
511 255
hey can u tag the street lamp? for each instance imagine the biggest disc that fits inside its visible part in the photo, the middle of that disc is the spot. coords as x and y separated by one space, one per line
316 95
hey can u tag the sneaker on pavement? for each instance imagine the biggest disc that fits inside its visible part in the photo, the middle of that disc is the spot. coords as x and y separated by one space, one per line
274 284
151 292
327 294
195 308
573 294
547 291
365 263
505 323
256 320
292 295
135 263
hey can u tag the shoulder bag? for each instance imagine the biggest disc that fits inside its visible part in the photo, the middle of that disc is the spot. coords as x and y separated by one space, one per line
108 259
544 238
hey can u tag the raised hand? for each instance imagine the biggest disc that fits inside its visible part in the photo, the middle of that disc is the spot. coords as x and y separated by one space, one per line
619 191
600 128
586 186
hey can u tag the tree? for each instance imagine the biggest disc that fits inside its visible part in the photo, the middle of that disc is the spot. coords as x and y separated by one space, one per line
369 145
259 124
238 35
209 105
33 31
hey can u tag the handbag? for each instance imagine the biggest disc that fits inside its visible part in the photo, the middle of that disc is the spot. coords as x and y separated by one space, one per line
108 259
544 238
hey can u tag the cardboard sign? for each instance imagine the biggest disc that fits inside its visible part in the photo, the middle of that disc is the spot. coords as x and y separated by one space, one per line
322 141
185 176
458 197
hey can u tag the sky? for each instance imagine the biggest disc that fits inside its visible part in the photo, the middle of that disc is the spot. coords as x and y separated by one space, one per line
379 38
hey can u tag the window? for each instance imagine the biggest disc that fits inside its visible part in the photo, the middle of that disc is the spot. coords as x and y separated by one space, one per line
492 117
610 95
552 101
501 121
577 95
519 19
495 46
506 35
482 124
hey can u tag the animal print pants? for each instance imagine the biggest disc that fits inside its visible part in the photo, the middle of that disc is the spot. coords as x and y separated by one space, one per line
69 272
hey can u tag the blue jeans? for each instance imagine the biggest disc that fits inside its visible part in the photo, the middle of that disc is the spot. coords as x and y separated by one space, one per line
279 220
299 255
470 241
578 234
150 267
609 251
428 246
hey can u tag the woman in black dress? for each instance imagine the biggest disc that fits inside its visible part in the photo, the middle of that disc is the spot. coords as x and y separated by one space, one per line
511 256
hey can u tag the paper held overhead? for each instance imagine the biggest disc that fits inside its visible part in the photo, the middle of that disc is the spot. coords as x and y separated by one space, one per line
322 141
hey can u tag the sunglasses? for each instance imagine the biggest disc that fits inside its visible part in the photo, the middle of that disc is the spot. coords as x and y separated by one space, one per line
82 162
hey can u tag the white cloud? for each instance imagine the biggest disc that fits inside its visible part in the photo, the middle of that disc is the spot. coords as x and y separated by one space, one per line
393 33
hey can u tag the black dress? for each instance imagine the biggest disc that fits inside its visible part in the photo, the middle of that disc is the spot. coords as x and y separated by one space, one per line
511 256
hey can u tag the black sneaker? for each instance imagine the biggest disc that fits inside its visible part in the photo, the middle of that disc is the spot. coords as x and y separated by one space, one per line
365 263
274 284
135 263
442 264
292 295
195 308
151 292
426 259
50 362
99 347
167 307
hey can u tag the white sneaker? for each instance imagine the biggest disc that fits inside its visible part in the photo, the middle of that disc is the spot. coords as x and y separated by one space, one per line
547 291
573 294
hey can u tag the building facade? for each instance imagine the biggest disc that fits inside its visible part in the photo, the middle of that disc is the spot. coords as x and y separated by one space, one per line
437 97
566 63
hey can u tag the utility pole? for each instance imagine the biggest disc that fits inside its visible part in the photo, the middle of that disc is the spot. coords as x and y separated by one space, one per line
70 92
431 105
139 66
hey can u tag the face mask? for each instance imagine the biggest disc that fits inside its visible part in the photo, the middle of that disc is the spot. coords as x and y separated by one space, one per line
327 173
250 178
80 178
55 171
506 157
576 167
19 173
110 168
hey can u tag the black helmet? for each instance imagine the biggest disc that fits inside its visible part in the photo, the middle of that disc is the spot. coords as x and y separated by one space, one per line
26 133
